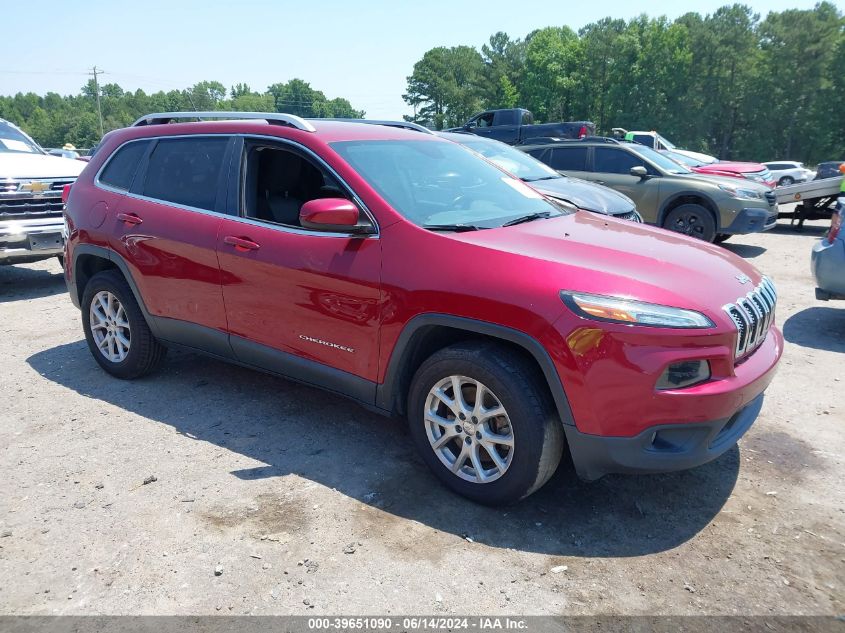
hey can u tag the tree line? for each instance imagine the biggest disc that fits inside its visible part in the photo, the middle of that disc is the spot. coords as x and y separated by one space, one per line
730 83
53 120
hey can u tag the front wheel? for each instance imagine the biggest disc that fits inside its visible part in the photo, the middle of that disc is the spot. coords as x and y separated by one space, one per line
693 220
484 423
721 237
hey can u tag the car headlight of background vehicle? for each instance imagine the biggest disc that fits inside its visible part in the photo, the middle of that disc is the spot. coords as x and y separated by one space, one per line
630 312
739 192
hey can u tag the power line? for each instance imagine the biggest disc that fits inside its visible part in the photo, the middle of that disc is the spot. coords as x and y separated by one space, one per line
95 72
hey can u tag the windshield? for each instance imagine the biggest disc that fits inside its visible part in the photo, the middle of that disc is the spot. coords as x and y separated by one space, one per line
511 160
663 162
686 161
13 140
437 183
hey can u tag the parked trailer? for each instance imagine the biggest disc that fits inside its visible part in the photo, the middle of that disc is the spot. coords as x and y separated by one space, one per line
816 199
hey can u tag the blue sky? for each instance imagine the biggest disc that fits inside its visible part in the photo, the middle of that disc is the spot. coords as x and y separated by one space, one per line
360 50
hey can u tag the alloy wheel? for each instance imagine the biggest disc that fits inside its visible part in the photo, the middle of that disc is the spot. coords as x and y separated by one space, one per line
469 429
109 326
688 223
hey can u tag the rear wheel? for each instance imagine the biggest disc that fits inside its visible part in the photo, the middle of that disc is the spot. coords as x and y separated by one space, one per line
693 220
484 423
786 181
115 329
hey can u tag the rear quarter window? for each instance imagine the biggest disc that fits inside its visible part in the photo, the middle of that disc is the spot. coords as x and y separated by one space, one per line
121 167
186 171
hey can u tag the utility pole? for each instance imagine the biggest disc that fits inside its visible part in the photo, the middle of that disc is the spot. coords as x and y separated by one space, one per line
96 72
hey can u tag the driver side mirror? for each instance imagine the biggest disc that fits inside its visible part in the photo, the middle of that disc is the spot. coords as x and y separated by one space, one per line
471 124
333 214
639 171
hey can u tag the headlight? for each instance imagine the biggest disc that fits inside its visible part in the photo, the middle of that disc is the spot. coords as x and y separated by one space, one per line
739 192
618 310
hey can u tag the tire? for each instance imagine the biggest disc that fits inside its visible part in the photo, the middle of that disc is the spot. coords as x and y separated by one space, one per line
61 259
693 220
721 237
144 353
528 420
785 181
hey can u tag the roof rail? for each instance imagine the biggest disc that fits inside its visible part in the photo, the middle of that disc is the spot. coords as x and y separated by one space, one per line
541 140
274 118
407 125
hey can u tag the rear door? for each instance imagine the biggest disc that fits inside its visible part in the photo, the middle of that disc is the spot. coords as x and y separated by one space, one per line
165 228
611 166
570 161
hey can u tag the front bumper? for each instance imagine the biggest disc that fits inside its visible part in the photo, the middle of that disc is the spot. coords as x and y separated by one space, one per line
827 262
29 240
663 448
752 220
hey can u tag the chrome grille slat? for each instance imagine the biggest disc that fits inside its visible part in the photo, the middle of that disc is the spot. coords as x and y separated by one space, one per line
753 315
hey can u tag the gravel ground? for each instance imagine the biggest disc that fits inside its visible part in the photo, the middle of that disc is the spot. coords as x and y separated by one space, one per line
208 488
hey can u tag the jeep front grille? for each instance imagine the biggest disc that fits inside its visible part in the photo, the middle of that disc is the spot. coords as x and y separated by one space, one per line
753 315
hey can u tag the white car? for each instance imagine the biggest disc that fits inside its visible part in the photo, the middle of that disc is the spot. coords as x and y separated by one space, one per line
31 184
788 172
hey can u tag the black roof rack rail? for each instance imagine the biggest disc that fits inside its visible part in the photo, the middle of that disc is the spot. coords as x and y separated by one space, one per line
406 125
547 140
274 118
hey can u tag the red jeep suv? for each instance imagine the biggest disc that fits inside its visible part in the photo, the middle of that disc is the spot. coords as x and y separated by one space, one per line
409 274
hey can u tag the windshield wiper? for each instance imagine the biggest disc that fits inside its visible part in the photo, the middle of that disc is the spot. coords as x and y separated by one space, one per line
457 228
538 179
528 218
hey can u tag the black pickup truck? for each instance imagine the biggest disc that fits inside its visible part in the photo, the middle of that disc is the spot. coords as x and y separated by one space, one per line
517 126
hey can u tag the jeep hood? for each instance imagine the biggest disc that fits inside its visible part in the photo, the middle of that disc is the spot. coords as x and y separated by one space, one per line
21 165
592 253
585 195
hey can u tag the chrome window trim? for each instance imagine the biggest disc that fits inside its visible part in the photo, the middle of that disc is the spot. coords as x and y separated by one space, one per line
260 223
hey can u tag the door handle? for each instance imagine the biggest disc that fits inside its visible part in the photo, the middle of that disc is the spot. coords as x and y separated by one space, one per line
241 243
129 218
599 182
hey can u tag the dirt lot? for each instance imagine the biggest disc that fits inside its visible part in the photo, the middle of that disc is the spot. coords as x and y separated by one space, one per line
309 504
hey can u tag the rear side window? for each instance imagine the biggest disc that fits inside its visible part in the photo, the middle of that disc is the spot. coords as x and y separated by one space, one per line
615 161
186 171
569 159
121 168
644 139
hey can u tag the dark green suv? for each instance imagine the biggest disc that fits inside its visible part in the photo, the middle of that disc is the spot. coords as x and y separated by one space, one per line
666 193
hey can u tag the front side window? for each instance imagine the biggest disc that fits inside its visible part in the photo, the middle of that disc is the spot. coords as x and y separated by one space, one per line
186 171
616 161
12 139
277 182
120 169
485 120
437 183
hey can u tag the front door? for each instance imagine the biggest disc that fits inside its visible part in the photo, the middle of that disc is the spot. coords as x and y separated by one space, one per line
612 168
294 294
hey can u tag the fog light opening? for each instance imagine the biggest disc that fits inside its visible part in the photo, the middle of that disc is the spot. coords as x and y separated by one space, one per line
684 374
